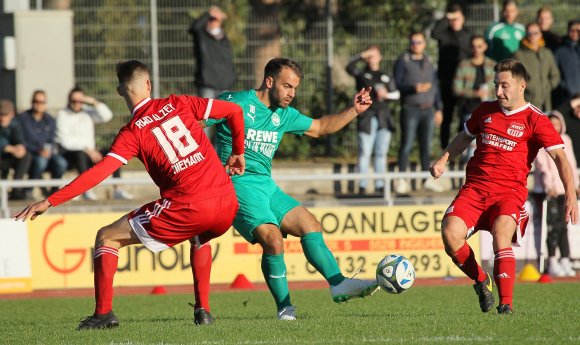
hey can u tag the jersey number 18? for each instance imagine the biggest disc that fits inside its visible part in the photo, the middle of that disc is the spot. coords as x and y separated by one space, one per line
180 140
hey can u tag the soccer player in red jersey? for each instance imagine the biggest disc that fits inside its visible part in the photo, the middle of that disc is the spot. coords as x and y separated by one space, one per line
197 196
509 133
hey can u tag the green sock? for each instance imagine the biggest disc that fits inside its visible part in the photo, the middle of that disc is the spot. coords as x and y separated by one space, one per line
274 270
319 256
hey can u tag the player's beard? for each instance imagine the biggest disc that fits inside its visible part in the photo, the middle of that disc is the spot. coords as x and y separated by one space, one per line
275 100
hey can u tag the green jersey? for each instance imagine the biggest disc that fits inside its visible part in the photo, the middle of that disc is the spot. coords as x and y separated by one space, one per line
264 129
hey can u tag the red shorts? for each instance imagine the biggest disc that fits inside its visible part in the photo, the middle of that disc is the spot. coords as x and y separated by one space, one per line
478 209
162 223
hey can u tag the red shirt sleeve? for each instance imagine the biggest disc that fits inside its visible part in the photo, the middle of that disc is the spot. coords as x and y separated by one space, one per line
86 180
217 109
546 134
473 124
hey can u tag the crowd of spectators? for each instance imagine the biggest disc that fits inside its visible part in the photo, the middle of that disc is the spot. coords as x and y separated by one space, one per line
432 92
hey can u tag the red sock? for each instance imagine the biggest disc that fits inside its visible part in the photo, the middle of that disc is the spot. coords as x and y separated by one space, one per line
464 258
200 257
504 274
105 261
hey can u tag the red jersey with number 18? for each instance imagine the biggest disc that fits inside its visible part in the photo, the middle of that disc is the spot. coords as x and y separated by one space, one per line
507 143
165 136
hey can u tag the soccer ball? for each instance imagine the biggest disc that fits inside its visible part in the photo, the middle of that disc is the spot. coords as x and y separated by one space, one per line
395 274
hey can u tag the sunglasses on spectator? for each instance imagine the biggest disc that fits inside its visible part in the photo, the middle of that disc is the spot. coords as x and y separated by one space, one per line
417 42
37 101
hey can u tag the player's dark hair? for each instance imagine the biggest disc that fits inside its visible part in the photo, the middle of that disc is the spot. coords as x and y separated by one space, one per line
516 68
274 66
127 69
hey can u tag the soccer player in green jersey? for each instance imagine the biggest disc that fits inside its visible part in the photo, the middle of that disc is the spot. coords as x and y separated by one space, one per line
266 213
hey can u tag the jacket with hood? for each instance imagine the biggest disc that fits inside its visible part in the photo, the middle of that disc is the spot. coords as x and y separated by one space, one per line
546 173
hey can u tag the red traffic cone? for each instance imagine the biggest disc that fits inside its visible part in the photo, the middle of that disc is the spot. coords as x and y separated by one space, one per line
159 290
545 278
241 282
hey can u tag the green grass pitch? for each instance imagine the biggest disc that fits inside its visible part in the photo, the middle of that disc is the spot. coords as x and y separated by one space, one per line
544 314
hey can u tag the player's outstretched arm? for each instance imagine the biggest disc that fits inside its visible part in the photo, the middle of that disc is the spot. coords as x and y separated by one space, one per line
329 124
33 210
567 177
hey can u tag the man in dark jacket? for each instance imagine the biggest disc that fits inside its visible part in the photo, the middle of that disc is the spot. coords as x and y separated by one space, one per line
214 71
568 61
374 126
454 46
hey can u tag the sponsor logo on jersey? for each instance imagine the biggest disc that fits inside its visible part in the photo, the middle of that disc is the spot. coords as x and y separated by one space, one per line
385 78
251 117
498 141
516 130
275 119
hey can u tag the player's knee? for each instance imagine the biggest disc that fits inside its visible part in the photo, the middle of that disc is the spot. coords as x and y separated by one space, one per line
453 234
104 238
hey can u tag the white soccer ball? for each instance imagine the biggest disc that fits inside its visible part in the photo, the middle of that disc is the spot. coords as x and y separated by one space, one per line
395 274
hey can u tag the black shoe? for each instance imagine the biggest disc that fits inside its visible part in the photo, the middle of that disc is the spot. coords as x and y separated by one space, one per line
202 317
485 292
99 321
504 309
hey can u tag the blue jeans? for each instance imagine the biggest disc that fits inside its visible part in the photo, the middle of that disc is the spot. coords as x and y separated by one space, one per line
376 142
55 164
416 122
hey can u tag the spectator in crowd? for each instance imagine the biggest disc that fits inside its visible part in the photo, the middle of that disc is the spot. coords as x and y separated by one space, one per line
546 177
473 83
545 20
453 40
543 74
568 61
214 72
503 37
570 109
214 64
13 152
374 126
75 135
416 79
39 129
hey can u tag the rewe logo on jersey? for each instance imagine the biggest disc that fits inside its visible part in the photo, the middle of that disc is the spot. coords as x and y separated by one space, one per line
516 130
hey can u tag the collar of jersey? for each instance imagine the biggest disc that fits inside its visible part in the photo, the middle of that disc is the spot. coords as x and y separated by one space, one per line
139 105
511 112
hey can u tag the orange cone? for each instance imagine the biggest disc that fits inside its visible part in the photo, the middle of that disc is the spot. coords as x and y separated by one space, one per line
241 282
545 278
159 290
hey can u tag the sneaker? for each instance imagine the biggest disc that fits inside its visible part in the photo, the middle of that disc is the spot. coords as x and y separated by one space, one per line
353 288
120 194
485 292
566 266
401 186
90 196
287 313
432 185
504 309
99 321
554 268
202 317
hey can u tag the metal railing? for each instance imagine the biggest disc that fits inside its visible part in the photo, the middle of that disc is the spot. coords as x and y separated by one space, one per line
388 197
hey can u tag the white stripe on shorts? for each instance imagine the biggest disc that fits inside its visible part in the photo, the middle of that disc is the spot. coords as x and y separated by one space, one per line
148 241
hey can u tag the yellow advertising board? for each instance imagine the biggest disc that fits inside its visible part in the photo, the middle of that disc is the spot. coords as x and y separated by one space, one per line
61 248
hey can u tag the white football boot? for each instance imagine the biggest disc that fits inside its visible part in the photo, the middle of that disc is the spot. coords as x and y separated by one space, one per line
287 313
353 288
